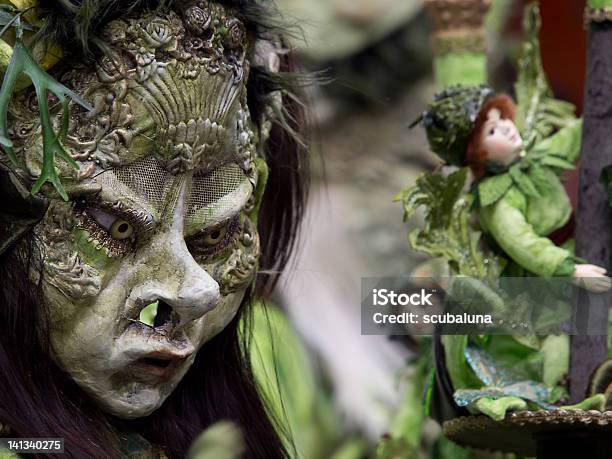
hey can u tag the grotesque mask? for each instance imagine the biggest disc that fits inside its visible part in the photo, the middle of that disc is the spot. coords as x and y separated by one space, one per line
162 211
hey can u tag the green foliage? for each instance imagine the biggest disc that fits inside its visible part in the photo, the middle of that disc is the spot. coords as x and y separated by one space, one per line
448 231
539 113
223 440
148 314
446 449
449 120
396 448
8 18
409 419
299 408
22 62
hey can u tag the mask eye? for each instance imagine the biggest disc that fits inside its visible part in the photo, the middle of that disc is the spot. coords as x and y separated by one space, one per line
215 237
121 230
118 228
492 131
211 244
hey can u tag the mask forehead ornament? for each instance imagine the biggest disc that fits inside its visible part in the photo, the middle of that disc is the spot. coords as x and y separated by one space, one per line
172 83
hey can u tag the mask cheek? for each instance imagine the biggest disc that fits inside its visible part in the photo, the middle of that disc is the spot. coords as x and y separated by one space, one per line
238 269
65 267
207 327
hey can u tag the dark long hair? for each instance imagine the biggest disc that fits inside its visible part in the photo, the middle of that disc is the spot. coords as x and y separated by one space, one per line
37 399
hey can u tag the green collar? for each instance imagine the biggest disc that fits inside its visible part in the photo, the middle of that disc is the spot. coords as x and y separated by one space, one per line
523 174
491 189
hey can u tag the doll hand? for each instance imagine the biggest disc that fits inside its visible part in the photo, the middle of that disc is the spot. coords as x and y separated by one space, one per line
592 278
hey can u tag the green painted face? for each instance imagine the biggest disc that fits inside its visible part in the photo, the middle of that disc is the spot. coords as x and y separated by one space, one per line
161 216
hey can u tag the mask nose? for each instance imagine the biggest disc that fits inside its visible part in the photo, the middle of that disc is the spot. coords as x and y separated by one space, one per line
188 289
178 279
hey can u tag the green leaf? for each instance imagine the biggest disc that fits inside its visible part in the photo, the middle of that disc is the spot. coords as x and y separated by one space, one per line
149 313
23 63
223 440
538 114
565 144
496 409
493 188
555 349
6 18
459 371
596 402
396 448
523 181
555 161
448 232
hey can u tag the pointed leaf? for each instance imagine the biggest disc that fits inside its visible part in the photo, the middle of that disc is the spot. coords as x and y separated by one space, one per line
5 142
523 181
555 161
538 114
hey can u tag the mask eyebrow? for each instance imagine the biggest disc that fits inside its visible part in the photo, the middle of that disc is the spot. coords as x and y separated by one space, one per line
140 189
216 197
144 187
145 180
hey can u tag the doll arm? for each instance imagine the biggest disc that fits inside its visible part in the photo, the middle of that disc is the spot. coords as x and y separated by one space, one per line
565 144
508 226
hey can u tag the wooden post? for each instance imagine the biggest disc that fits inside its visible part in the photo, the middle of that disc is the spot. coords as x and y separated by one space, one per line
458 41
593 233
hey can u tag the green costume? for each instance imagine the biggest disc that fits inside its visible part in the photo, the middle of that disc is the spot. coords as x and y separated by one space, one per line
524 204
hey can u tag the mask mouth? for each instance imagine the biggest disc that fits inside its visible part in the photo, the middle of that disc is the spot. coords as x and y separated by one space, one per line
161 364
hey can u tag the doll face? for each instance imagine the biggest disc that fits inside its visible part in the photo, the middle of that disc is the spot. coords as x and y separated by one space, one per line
500 139
161 217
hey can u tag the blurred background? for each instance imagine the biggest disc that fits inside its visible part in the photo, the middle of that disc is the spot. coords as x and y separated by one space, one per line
378 58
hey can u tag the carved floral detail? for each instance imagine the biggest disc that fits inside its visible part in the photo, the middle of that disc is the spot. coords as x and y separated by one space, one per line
246 140
108 139
240 268
164 61
159 33
64 268
198 20
235 35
